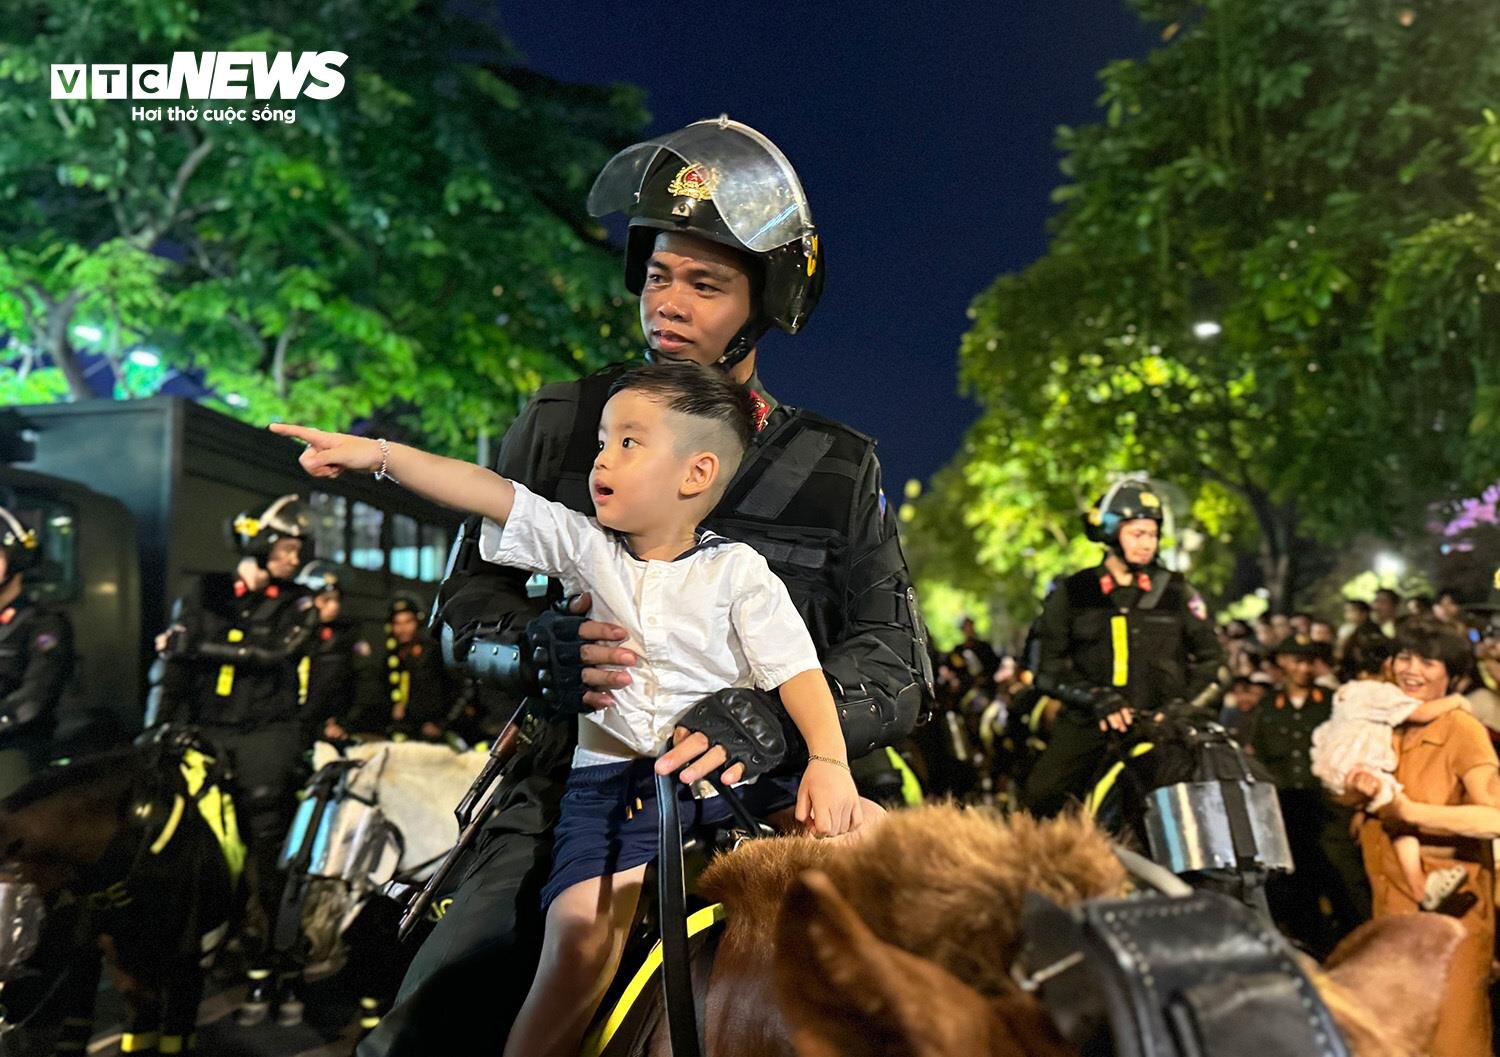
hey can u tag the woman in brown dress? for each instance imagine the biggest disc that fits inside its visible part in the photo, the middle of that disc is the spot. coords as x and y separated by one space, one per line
1448 768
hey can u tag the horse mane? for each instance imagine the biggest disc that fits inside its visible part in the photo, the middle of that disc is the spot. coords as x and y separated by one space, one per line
942 882
115 768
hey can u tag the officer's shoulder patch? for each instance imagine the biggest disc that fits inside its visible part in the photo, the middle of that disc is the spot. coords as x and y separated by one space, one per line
1197 607
44 642
362 648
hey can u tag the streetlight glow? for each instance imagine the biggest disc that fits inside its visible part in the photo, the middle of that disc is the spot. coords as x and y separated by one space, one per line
1207 328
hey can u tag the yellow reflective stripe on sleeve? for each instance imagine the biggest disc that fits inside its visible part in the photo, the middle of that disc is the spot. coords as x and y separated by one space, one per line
225 686
1034 721
304 666
1101 790
170 1044
235 635
130 1042
595 1044
170 828
1119 638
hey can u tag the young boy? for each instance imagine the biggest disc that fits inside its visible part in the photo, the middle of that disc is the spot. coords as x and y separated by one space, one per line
703 613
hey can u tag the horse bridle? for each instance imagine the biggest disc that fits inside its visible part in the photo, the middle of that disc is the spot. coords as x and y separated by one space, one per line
1174 972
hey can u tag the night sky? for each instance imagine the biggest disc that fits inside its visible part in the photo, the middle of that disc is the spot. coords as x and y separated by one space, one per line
924 141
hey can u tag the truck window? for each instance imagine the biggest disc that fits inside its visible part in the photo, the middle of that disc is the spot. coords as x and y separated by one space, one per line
405 546
55 578
365 549
329 513
434 553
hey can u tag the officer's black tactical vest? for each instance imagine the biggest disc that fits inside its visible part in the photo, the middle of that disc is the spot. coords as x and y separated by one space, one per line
1153 650
790 500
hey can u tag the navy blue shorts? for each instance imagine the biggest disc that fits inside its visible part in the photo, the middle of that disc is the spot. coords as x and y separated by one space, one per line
609 819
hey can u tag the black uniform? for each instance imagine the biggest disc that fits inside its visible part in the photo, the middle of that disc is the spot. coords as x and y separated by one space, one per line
239 672
338 678
1150 640
36 661
420 689
808 498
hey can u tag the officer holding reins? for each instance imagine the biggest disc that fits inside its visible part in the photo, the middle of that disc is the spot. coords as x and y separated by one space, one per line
721 248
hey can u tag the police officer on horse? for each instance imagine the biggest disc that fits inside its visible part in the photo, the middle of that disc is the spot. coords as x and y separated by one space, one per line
1123 637
235 664
721 248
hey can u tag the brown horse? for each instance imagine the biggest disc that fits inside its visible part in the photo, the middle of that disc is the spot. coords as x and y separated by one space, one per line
135 855
902 944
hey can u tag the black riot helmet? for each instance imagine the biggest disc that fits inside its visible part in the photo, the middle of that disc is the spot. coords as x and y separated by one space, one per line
19 544
286 518
1131 498
321 578
725 182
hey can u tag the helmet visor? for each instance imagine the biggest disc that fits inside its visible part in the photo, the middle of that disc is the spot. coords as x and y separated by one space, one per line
749 180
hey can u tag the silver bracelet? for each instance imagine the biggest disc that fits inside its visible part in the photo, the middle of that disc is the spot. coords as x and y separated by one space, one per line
383 474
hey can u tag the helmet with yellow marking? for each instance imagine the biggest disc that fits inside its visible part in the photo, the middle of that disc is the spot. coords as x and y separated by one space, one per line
19 544
286 518
726 182
1128 499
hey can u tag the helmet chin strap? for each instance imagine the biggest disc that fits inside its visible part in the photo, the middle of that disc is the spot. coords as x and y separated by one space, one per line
742 344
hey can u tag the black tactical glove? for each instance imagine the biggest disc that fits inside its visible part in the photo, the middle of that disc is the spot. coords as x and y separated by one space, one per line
1107 702
552 663
748 723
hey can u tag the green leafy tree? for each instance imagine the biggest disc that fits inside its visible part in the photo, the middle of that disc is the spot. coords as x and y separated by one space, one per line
413 250
1263 283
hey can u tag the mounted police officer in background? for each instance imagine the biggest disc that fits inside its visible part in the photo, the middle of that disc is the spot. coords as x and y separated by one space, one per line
1124 637
36 660
235 664
719 227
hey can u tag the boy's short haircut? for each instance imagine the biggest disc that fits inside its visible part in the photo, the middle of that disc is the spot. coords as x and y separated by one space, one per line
723 410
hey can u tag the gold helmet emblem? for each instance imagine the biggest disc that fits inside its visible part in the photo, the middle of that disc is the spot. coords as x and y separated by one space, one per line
694 181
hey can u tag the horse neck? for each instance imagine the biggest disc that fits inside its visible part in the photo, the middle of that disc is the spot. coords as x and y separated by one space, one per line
54 839
417 793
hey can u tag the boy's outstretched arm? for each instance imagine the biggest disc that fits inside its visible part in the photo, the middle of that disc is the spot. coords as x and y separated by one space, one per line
452 482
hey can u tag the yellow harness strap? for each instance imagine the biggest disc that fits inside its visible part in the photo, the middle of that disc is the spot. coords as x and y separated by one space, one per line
167 831
217 809
1101 790
599 1039
911 786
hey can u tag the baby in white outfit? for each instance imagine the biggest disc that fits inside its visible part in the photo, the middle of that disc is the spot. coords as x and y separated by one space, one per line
1359 737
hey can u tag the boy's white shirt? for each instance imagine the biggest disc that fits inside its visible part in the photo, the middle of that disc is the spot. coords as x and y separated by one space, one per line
716 617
